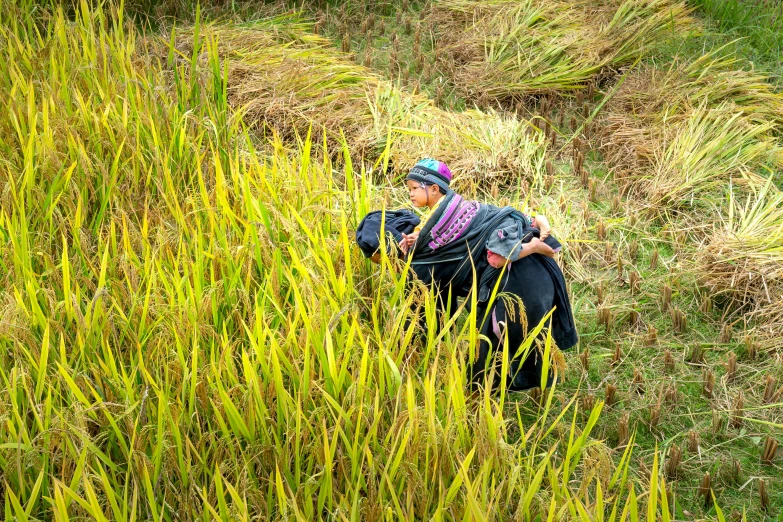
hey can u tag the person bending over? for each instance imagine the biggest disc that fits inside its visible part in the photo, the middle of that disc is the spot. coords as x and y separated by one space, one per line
428 182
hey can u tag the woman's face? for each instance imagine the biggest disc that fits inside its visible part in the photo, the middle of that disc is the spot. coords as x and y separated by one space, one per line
421 195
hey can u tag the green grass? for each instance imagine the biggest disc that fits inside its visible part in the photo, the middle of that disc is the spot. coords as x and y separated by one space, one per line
758 24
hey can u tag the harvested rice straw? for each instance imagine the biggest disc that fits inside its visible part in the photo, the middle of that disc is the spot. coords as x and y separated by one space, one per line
501 50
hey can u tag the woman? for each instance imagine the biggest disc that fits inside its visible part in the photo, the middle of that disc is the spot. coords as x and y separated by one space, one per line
459 240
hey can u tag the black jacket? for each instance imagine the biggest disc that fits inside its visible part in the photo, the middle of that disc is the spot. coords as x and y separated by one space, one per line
457 263
397 223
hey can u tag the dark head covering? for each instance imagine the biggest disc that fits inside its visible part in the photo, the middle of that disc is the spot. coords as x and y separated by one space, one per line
431 172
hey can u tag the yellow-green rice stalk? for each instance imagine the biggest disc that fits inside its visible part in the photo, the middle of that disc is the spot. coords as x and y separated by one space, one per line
705 152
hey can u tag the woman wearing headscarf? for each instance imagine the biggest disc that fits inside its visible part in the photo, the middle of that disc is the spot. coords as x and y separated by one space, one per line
458 240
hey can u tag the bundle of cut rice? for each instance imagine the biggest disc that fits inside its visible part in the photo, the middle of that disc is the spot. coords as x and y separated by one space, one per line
291 81
679 133
501 50
743 259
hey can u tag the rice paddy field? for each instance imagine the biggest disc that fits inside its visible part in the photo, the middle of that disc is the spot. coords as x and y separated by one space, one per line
189 332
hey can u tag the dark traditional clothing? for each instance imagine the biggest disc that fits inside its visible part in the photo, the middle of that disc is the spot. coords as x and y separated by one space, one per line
395 223
532 280
451 251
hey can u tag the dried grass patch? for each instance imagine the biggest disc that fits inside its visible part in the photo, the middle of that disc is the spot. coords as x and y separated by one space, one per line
478 146
502 50
283 77
742 260
291 81
676 135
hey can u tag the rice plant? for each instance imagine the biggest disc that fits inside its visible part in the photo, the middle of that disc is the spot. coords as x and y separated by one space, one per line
671 132
713 147
485 145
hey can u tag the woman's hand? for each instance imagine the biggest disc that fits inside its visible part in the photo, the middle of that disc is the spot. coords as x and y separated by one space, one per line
408 240
539 247
536 246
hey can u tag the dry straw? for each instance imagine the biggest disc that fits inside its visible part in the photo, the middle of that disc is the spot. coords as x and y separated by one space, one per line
686 130
743 258
290 80
502 50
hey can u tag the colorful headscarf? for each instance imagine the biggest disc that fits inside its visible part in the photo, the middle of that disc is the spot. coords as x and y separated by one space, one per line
432 172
